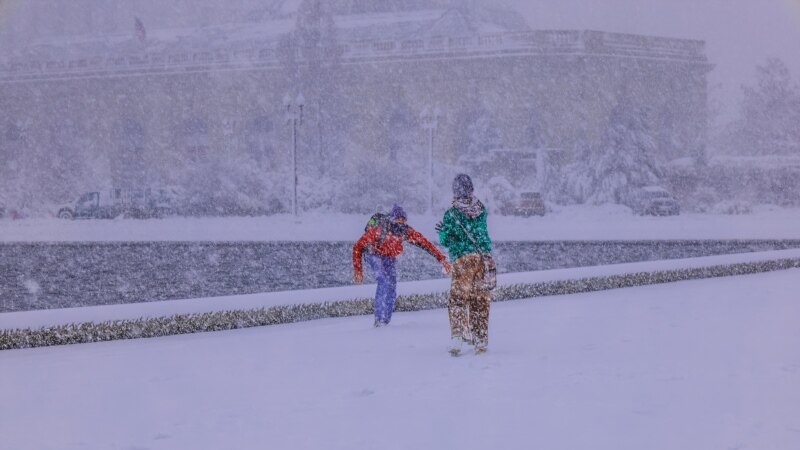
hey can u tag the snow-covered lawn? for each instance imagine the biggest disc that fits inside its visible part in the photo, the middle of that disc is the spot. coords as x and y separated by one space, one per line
706 364
572 223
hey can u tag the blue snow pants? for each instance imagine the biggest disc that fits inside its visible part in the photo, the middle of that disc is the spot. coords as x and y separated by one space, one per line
386 277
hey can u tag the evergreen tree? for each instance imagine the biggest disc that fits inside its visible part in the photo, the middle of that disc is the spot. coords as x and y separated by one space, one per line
626 159
770 114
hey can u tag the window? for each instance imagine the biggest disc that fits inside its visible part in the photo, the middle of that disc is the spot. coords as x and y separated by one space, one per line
460 42
88 199
178 59
412 45
77 63
383 46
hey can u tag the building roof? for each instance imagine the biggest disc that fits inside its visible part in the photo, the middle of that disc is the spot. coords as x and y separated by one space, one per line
381 26
381 36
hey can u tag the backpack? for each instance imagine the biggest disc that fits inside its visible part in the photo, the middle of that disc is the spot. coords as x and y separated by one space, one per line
379 219
382 220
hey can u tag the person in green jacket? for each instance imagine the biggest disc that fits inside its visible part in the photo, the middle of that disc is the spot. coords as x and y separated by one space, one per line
463 231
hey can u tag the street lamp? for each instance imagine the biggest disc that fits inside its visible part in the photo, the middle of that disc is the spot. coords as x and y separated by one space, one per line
430 121
294 116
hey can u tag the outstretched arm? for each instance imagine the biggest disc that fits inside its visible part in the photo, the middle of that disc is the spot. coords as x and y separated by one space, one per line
416 238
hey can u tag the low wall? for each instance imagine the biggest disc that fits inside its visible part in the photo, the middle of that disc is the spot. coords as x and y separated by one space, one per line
47 275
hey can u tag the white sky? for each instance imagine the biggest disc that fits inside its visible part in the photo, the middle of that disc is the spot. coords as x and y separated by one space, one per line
739 34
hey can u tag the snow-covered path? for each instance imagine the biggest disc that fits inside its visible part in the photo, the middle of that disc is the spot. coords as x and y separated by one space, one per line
606 222
706 364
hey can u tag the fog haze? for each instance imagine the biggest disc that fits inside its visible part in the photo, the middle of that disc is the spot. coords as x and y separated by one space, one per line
739 34
583 101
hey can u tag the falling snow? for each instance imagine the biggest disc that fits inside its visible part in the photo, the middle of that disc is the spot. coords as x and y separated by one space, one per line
196 166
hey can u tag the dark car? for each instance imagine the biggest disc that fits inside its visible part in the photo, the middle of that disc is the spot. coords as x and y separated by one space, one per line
526 205
91 205
652 201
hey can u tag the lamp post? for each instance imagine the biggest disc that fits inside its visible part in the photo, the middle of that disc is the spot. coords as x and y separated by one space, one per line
430 121
294 116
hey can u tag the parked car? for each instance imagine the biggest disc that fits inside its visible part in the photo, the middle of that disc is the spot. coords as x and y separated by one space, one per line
653 201
162 201
135 203
526 204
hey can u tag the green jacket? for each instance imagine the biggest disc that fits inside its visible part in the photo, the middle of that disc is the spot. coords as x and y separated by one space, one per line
455 239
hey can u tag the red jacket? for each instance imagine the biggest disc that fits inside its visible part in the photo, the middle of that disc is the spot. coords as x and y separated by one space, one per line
392 245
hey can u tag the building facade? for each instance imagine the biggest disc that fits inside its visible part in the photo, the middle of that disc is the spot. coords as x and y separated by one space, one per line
140 107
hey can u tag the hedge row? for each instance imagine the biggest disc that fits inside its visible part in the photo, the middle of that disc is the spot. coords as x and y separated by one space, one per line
229 320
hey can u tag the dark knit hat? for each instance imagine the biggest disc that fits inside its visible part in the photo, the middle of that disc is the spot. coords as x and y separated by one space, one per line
462 186
398 212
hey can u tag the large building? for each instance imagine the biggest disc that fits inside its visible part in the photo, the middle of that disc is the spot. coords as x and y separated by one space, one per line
145 103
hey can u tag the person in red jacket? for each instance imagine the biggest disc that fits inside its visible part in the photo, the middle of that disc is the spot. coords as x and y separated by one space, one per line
381 244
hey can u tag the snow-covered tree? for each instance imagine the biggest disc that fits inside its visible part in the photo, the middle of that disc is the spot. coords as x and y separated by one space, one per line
480 131
625 159
230 185
577 183
501 192
46 165
770 114
319 52
483 134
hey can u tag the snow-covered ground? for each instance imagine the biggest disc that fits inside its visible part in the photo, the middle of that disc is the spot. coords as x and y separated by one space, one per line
572 223
692 365
706 364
